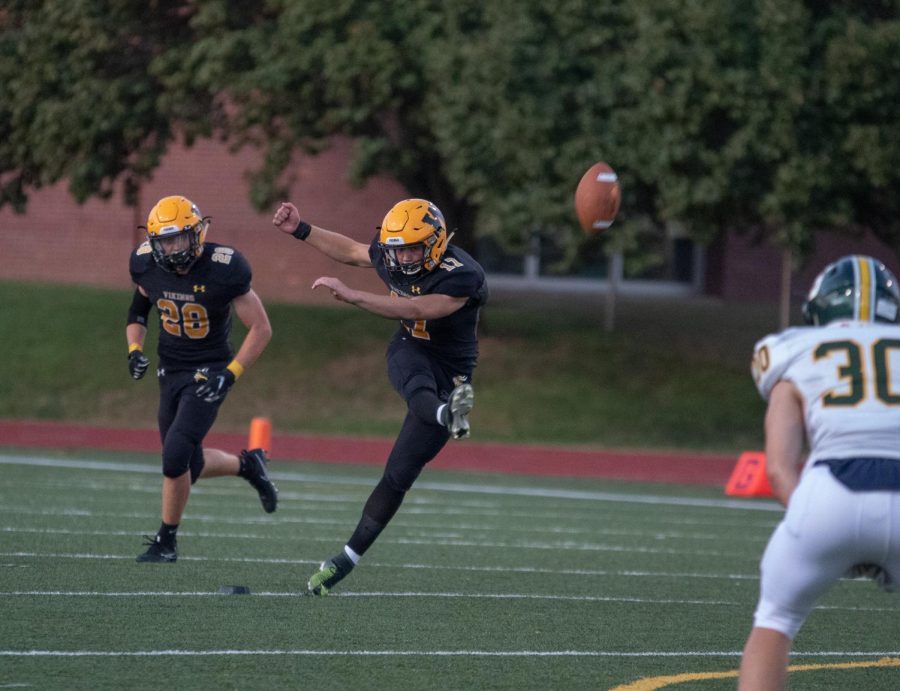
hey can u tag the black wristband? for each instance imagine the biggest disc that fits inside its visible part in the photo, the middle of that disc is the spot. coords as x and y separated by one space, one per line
301 232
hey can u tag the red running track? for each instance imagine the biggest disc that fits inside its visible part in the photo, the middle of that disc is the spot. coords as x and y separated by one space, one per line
668 467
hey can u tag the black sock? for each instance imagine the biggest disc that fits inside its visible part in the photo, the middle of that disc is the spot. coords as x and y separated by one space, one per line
380 508
243 469
166 533
367 531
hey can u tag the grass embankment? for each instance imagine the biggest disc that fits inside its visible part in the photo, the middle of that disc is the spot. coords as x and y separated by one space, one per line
673 374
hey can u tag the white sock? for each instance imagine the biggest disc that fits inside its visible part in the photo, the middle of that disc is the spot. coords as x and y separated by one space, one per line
354 557
440 413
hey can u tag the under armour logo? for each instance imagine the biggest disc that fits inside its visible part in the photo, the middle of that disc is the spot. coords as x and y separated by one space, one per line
199 289
416 289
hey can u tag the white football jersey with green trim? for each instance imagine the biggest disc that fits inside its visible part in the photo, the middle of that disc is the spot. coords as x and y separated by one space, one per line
848 373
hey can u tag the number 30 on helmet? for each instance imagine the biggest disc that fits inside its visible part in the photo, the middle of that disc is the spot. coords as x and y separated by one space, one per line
855 287
409 223
176 217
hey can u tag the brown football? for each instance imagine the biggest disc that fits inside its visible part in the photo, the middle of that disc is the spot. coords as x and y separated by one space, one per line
597 198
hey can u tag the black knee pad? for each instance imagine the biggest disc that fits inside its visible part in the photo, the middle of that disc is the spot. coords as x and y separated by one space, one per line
179 456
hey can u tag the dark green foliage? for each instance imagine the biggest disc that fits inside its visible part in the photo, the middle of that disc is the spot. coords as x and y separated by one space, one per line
776 117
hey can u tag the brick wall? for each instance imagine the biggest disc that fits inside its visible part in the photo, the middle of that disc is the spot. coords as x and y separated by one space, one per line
59 241
741 269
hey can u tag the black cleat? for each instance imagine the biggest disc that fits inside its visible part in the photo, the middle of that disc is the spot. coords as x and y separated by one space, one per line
253 470
157 552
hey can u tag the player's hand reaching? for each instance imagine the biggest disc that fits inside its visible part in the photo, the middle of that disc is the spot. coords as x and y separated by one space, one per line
216 386
137 363
338 290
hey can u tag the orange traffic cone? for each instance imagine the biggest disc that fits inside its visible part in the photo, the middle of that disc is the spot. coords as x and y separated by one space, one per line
748 479
260 434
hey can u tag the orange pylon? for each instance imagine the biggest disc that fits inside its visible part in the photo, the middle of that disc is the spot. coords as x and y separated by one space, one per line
748 479
260 434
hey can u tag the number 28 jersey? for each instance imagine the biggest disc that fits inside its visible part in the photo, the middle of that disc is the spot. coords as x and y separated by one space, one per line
194 308
848 374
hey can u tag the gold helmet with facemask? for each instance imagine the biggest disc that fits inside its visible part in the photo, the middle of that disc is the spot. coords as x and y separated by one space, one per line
173 217
409 223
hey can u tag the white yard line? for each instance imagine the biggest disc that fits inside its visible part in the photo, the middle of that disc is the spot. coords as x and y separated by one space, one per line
429 653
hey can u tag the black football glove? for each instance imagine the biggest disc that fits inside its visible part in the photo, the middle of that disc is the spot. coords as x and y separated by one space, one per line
137 364
216 386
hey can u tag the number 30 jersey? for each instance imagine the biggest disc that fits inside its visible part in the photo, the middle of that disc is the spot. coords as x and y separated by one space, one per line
194 308
848 373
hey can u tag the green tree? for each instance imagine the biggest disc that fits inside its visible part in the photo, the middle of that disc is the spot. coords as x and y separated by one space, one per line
776 117
79 97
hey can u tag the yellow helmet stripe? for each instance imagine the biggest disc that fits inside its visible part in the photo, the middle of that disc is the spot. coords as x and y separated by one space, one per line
865 301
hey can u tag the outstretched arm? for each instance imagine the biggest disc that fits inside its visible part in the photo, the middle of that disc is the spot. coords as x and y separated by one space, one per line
334 245
426 307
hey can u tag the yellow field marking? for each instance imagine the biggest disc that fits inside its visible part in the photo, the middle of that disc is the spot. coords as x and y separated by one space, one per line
652 683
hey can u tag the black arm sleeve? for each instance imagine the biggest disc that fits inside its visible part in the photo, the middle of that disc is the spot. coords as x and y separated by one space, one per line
139 309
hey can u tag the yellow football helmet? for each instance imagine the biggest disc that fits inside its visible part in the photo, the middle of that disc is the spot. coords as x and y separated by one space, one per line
413 222
173 217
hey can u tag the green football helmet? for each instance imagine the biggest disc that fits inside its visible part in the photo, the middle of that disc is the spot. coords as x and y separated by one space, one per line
855 287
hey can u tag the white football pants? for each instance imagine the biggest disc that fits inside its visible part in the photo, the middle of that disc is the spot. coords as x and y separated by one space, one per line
826 530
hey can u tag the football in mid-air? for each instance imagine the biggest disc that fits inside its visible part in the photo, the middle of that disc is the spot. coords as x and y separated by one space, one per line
597 198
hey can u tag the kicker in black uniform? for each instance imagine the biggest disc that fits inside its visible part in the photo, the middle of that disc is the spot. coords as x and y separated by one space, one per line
194 286
436 291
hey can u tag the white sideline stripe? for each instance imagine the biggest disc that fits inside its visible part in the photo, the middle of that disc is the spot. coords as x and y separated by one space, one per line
464 596
542 492
430 653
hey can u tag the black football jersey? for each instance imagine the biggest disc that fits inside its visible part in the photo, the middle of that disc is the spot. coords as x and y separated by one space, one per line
452 339
194 309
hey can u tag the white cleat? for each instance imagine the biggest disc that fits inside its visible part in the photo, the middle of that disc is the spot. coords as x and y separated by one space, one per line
460 405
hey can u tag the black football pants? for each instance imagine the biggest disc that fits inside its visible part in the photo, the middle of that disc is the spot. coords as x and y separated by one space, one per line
184 421
424 385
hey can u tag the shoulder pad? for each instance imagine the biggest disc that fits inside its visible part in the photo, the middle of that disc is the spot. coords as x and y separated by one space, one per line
221 254
773 356
141 259
229 265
